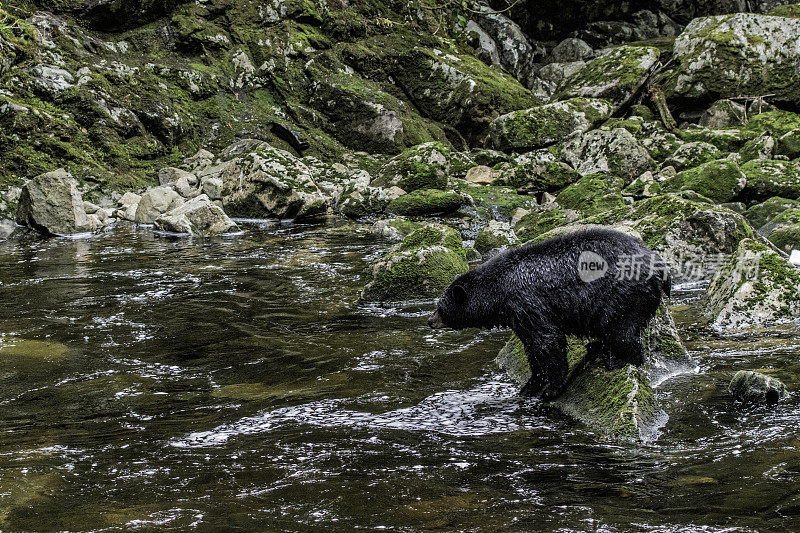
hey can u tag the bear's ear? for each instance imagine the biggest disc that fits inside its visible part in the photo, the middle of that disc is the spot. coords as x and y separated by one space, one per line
459 294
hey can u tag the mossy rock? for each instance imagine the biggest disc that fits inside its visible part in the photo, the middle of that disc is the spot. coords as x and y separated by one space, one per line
426 166
395 228
422 266
426 202
616 76
789 11
537 223
762 147
688 234
544 125
616 152
592 194
734 55
497 235
775 122
720 180
767 211
755 388
730 140
768 178
789 144
787 238
494 202
14 347
692 154
756 288
620 404
536 171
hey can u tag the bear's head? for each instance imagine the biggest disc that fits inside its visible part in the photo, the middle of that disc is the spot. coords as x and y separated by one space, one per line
469 302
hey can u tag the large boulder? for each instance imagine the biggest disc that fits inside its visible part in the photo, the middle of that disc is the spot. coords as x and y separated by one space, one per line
155 202
266 182
592 194
756 288
199 217
620 403
615 152
51 204
514 51
737 55
767 178
422 266
719 180
427 202
426 166
615 76
544 125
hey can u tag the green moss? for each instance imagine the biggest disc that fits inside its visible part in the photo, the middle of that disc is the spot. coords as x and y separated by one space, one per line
719 180
776 122
768 178
592 194
535 224
726 140
787 238
788 11
426 202
761 214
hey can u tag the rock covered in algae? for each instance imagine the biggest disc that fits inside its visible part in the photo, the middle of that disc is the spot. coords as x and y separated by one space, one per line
422 266
620 403
756 388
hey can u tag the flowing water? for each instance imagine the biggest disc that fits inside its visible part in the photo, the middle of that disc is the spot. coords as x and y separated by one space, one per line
236 383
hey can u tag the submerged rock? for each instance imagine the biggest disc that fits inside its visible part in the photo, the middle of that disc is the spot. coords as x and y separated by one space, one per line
7 227
198 216
755 288
51 204
618 403
422 266
755 388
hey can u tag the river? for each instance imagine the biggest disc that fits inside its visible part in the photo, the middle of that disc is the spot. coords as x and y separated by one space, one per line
236 383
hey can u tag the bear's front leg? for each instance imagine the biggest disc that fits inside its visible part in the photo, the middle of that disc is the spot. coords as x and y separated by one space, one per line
547 356
625 346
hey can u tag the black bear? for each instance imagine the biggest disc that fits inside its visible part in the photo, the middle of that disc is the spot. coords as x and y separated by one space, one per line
596 283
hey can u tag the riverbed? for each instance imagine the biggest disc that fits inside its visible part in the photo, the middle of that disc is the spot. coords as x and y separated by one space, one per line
153 381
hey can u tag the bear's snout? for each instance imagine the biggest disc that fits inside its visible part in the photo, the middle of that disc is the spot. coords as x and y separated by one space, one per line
435 321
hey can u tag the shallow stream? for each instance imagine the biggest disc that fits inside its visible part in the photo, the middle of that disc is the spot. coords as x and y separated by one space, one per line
148 381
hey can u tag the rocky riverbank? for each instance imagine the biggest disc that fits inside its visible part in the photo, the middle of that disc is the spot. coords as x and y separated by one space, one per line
454 133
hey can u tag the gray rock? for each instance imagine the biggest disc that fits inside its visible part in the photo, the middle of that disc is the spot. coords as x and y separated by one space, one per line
616 152
183 188
756 288
51 204
723 114
212 187
517 54
756 388
7 227
486 49
735 55
198 216
571 49
270 183
156 202
199 161
170 175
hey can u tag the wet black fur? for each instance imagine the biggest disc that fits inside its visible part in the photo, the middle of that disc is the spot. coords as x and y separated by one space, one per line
536 291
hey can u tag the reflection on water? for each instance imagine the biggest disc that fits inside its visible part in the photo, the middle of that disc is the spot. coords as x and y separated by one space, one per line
237 383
